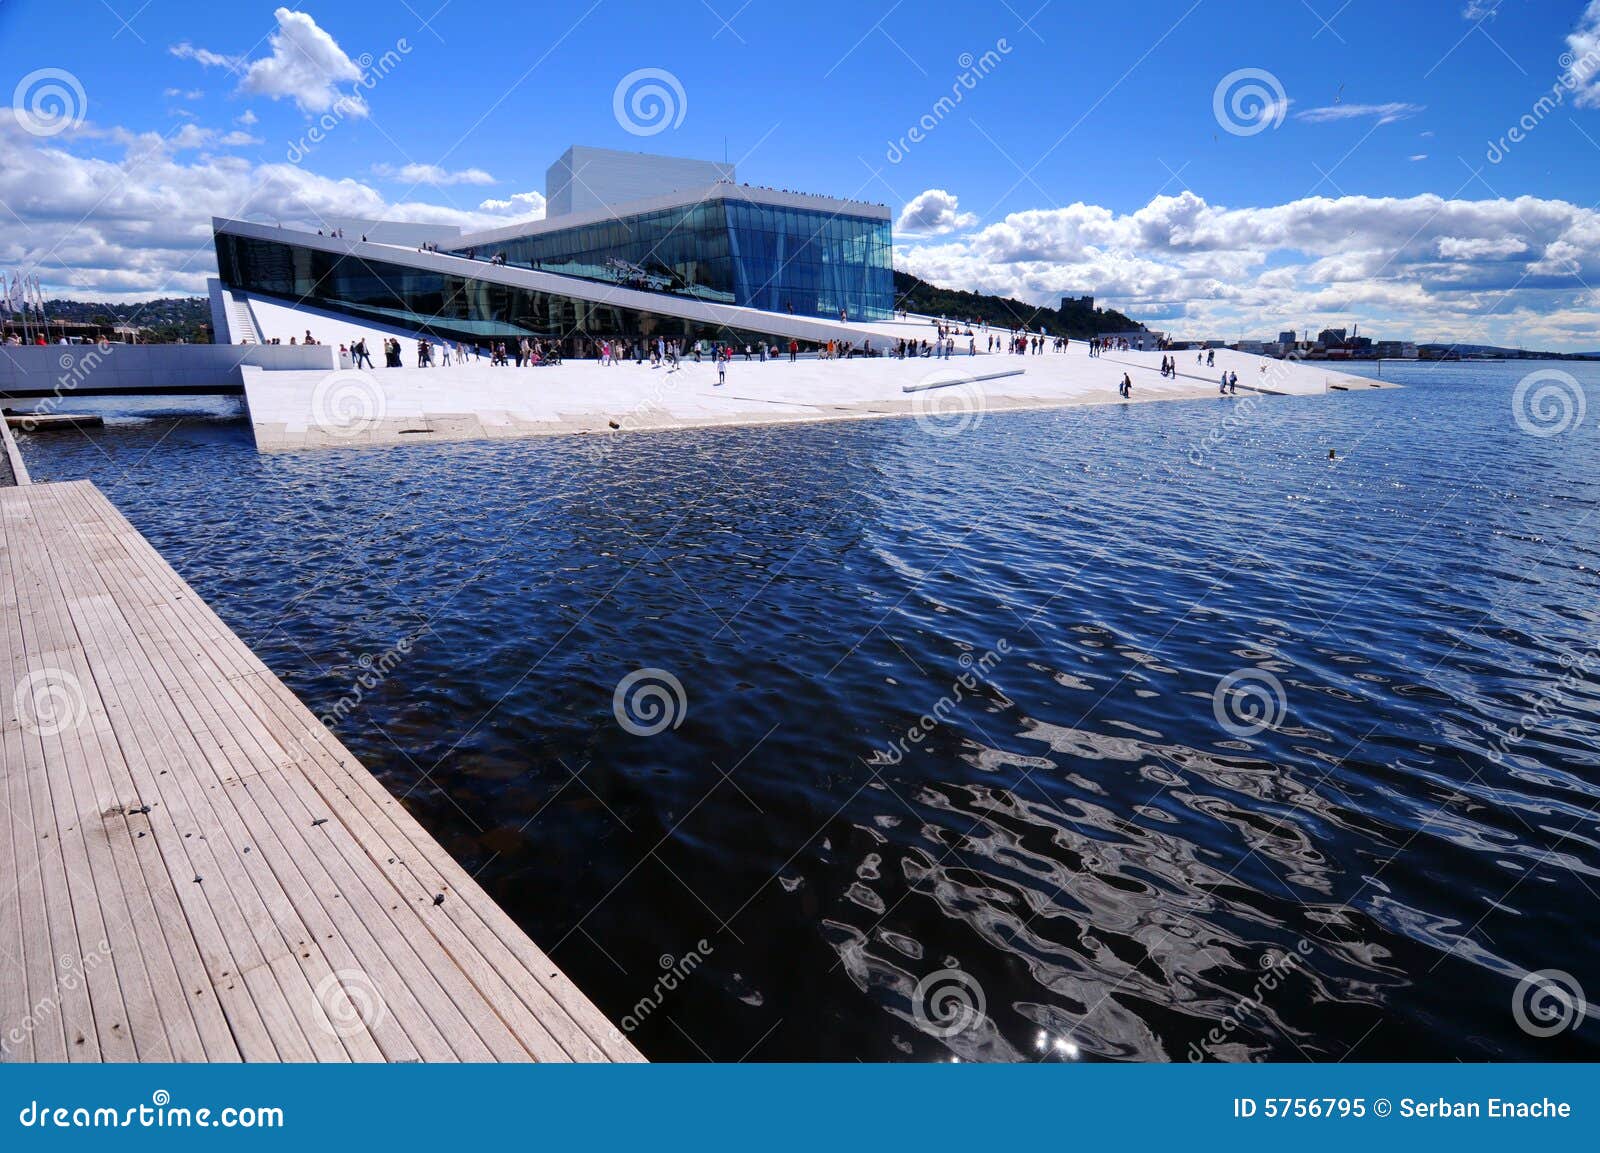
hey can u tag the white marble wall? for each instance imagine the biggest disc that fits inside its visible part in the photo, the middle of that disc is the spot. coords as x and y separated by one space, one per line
88 369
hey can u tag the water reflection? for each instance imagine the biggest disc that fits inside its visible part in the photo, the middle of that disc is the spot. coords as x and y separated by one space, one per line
950 780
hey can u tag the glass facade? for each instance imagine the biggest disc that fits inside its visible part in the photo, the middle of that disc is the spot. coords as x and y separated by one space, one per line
445 306
730 251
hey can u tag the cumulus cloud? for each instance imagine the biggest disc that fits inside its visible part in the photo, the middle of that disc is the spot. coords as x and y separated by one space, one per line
138 225
1490 271
1473 247
1583 45
238 140
306 65
431 174
1500 271
246 118
934 213
204 56
519 206
1385 113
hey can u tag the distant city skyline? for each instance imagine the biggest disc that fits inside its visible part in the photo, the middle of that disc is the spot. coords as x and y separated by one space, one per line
1425 171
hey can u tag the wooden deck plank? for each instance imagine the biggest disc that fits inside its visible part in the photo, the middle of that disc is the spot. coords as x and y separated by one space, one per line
385 827
346 908
328 767
54 986
537 1017
112 960
27 1037
148 900
312 875
278 776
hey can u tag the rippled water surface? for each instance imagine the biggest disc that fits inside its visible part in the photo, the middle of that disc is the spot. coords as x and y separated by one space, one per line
954 775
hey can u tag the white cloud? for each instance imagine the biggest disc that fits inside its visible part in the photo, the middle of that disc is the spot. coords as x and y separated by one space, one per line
519 206
188 137
181 94
1490 271
1386 113
1471 247
1418 156
1583 46
306 66
934 213
1496 271
238 139
431 174
1479 10
100 226
246 118
204 56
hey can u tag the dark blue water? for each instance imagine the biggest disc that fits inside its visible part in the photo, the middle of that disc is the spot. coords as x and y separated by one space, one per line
1084 850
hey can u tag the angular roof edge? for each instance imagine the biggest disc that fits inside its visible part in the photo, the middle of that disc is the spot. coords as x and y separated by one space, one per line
722 190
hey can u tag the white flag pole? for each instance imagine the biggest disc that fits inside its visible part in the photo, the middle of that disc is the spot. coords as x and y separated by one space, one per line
38 291
21 298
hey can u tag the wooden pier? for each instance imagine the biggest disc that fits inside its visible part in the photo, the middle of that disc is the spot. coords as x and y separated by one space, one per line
192 868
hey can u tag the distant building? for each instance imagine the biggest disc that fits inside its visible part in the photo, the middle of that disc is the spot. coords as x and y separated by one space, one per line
1396 350
1286 337
1332 337
1256 347
587 179
1071 302
1141 340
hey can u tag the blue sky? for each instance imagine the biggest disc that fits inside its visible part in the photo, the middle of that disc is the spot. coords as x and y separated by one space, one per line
1088 150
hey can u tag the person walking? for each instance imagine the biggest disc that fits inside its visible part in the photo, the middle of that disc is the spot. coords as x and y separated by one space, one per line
722 366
